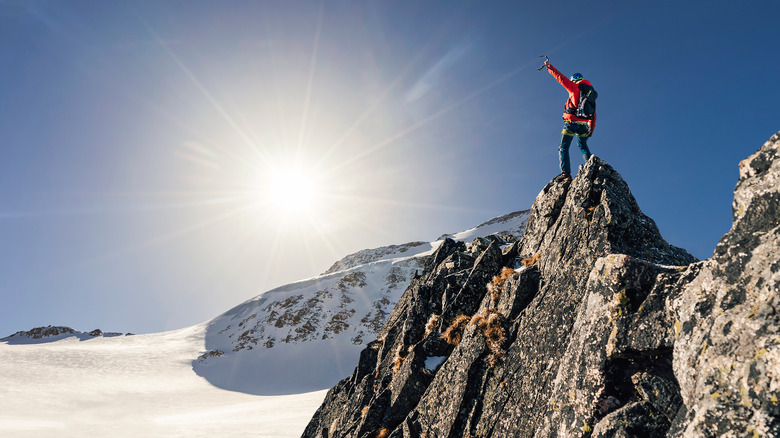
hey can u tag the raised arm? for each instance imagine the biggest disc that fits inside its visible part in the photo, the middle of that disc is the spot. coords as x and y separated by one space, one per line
570 86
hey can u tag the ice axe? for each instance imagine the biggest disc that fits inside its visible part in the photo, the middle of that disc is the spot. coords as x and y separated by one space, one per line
547 60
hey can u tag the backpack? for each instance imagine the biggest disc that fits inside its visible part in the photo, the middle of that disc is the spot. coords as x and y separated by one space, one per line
587 106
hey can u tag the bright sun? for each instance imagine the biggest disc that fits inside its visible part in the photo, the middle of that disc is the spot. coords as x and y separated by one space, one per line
293 190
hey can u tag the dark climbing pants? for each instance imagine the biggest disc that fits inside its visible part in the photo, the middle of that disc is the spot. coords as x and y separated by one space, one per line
569 131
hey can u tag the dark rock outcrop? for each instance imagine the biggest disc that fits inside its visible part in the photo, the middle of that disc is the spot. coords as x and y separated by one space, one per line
590 325
43 332
39 335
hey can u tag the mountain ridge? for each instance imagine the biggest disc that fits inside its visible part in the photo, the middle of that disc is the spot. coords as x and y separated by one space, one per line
275 342
323 319
51 333
591 325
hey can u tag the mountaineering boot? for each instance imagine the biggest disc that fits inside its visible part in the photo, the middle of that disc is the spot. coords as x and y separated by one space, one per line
564 176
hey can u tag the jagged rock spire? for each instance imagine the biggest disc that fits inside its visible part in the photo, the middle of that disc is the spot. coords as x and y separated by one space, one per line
591 216
591 325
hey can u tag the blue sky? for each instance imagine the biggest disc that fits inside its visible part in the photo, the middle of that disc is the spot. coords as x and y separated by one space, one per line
138 137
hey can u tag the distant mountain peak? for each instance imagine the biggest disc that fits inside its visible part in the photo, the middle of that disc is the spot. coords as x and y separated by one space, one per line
50 333
327 318
366 256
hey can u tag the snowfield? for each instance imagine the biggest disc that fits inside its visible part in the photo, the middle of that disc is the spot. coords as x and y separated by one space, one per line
133 386
257 370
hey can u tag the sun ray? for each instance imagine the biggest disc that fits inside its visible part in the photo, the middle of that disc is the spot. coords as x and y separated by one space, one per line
242 252
327 239
310 82
383 96
158 240
284 135
313 267
206 93
87 211
403 133
281 232
364 200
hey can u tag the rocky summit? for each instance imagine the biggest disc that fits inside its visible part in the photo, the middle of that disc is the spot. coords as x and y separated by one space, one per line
591 325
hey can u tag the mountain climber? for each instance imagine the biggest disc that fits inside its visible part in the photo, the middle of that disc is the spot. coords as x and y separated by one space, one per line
574 124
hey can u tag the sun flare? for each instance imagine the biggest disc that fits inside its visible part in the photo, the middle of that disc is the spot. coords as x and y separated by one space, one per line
293 190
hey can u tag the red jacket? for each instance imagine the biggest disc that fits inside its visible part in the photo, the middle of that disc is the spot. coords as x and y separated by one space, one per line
574 96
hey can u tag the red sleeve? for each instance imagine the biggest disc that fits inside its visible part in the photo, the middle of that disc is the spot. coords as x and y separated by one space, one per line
570 86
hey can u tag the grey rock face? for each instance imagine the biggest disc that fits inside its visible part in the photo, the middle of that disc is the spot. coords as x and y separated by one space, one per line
727 351
590 325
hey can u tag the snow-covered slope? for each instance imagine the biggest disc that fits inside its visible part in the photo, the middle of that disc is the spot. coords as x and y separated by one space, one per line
307 335
132 386
509 227
56 381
